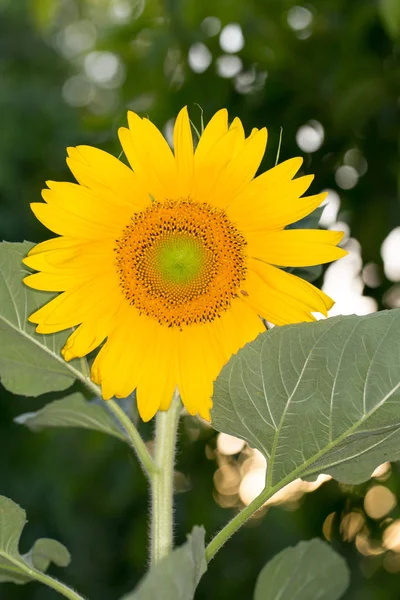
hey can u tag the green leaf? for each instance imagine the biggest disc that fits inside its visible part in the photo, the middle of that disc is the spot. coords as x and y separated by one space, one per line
30 364
73 411
175 577
309 570
390 15
317 397
21 569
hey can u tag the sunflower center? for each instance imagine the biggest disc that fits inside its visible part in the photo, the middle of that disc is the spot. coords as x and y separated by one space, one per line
181 262
179 259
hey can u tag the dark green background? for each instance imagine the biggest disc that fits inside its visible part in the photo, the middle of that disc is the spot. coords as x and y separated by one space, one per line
82 488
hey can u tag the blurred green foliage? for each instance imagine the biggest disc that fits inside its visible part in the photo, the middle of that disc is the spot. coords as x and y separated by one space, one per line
69 70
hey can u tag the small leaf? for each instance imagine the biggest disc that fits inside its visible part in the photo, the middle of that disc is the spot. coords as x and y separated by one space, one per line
175 577
317 397
21 569
309 570
73 411
30 363
45 551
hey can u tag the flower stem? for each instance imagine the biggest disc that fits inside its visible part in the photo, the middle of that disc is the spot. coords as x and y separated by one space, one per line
58 586
147 462
162 481
33 573
230 528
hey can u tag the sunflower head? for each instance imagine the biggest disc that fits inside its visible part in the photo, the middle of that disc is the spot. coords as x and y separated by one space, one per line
171 263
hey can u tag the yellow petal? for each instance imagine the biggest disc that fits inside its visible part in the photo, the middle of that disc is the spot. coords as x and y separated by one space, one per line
54 282
71 307
276 207
119 363
296 289
240 171
158 376
150 157
88 336
66 223
183 148
81 202
214 130
197 369
295 248
97 170
74 257
240 135
272 304
212 167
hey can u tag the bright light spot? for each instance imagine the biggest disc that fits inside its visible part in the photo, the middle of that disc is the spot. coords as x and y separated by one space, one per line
77 37
328 526
249 81
355 159
351 524
104 68
346 177
379 501
304 34
104 102
366 546
371 275
391 562
391 298
382 472
310 137
124 10
390 252
311 486
299 18
290 492
228 66
252 485
344 228
227 480
199 57
231 38
78 91
229 445
331 208
211 26
142 102
391 536
343 283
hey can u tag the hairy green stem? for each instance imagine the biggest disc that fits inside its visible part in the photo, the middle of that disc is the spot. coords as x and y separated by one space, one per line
162 481
244 515
60 587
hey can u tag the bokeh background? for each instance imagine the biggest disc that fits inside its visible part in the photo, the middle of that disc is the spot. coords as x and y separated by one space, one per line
325 71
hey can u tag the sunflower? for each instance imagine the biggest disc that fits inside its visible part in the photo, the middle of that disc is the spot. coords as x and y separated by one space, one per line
173 261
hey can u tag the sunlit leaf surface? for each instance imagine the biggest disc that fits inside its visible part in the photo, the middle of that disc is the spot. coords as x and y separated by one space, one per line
21 569
309 570
317 398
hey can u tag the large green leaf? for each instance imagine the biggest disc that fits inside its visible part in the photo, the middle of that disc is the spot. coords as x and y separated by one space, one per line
309 570
317 398
176 576
30 363
73 411
21 569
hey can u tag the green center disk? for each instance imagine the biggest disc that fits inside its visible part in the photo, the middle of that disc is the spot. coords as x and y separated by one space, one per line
180 259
